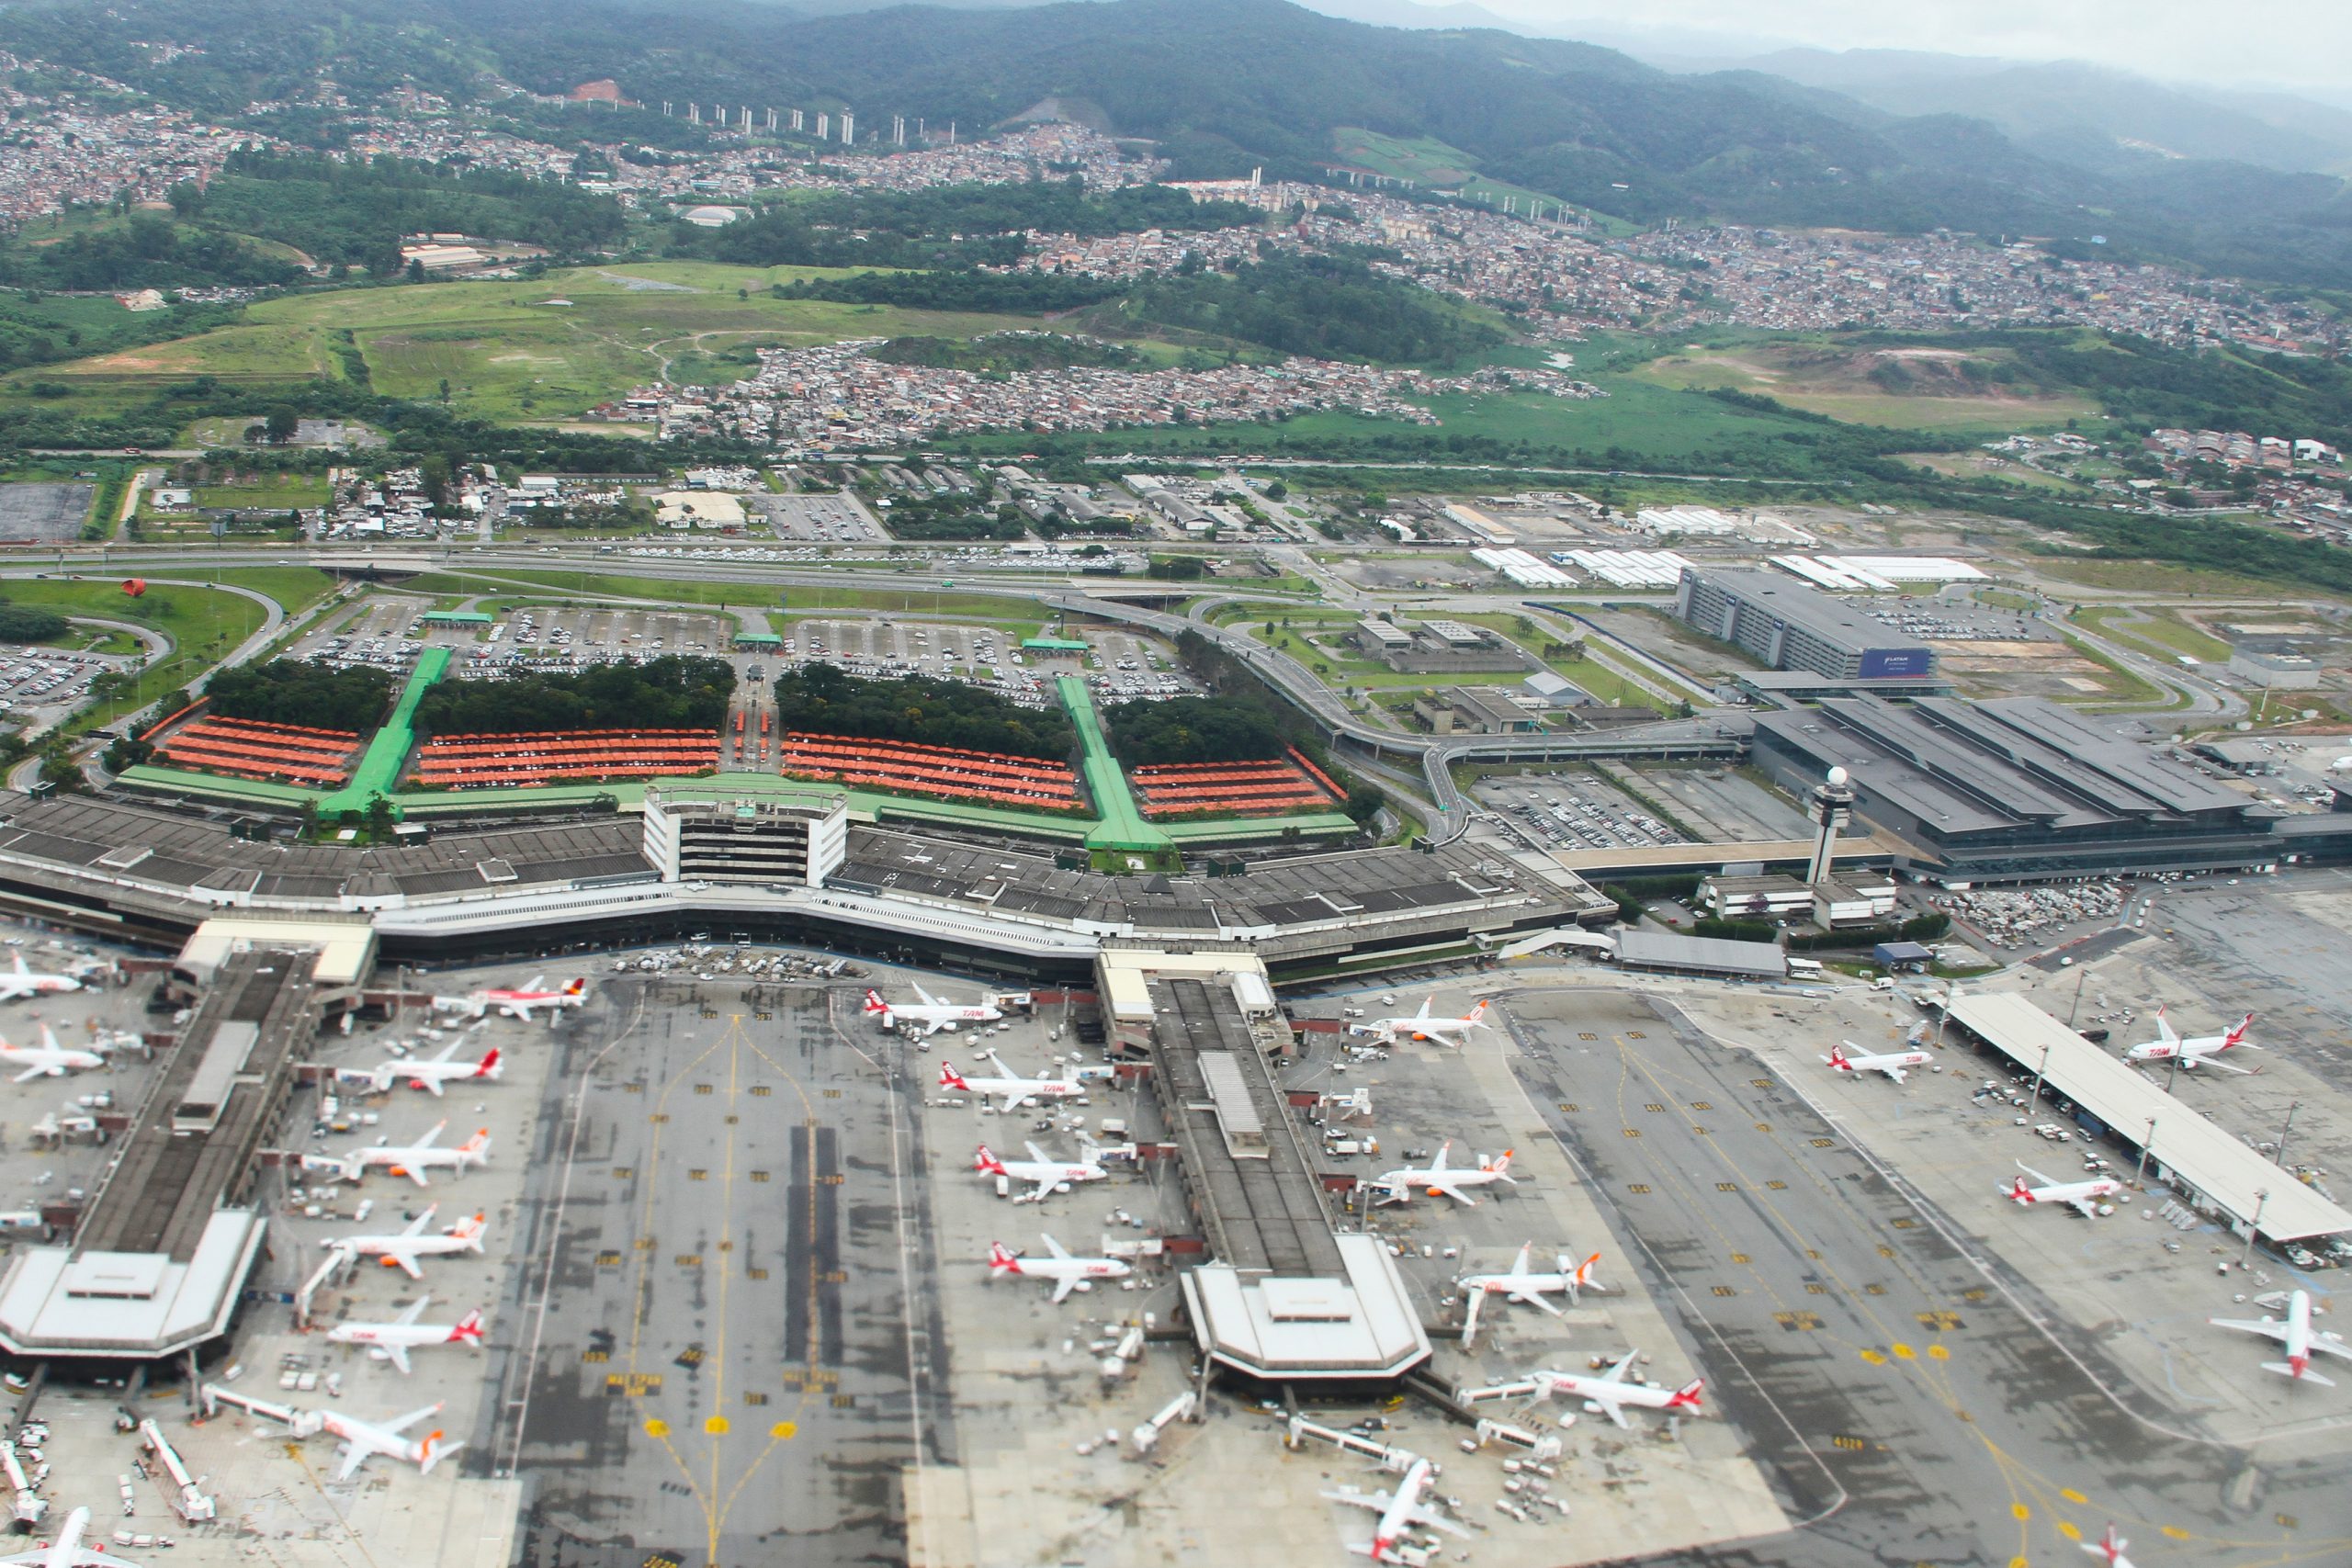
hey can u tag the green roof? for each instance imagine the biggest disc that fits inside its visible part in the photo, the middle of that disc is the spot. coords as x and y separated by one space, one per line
1055 645
457 618
758 640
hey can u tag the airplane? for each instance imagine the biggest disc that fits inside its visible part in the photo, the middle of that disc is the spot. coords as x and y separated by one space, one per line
2199 1050
22 984
67 1550
518 1002
362 1441
2293 1332
1400 1511
1892 1062
1530 1290
1422 1026
2082 1195
1611 1392
49 1059
1015 1088
431 1074
2109 1546
1437 1177
1046 1172
1067 1273
403 1251
933 1015
392 1341
420 1157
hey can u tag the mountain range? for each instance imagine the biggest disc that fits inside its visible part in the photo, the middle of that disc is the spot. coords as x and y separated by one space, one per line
1223 85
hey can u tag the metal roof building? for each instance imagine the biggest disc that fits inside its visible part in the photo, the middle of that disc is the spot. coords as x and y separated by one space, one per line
2222 1174
1702 956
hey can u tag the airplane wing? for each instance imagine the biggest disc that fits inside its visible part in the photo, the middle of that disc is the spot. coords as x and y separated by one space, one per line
1439 1163
414 1417
1609 1405
1064 1286
415 1173
431 1082
1526 1251
2332 1347
84 1557
2219 1065
414 1310
536 983
1045 1184
2086 1207
1057 1248
353 1456
1038 1155
928 999
397 1355
37 1072
1423 1016
416 1226
1376 1501
427 1142
1535 1299
1454 1192
1430 1518
2035 1174
2268 1327
406 1262
931 1026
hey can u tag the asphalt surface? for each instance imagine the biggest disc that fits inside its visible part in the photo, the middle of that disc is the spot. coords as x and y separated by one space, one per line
1907 1407
718 1289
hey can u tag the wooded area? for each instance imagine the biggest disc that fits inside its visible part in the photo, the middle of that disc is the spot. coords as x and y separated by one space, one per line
676 690
295 691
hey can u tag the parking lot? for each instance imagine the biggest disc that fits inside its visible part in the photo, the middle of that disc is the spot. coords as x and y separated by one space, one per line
540 640
39 686
888 649
1570 811
817 519
44 514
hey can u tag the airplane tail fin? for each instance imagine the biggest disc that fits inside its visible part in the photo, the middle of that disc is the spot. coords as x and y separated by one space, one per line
2238 1036
579 986
875 1006
2163 1027
1476 1015
470 1231
1001 1261
1836 1058
490 1067
950 1079
1500 1166
467 1328
987 1163
476 1149
433 1451
2018 1191
1585 1275
1687 1396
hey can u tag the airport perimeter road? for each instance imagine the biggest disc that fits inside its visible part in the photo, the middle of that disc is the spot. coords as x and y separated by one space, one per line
1909 1409
716 1315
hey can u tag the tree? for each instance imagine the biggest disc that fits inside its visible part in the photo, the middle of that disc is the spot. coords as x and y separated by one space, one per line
281 425
416 270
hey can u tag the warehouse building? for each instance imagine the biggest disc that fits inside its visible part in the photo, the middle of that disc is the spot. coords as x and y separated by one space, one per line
1790 626
2014 789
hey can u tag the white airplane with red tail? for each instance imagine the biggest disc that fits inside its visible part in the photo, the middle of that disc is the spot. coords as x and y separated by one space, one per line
1519 1285
2109 1547
1040 1167
67 1550
1848 1057
20 983
1401 1512
2295 1336
1440 1177
932 1015
403 1250
1610 1393
2198 1050
48 1059
517 1002
1422 1026
413 1160
362 1441
1067 1272
430 1074
1015 1088
2082 1196
392 1341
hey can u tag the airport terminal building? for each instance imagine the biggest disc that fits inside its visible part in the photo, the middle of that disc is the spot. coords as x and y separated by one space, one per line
1790 627
2015 789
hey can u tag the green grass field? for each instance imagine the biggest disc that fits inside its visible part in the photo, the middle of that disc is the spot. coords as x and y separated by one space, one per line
1814 374
269 492
505 352
203 623
2158 631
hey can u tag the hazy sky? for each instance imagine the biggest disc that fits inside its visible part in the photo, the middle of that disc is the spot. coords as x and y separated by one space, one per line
2296 42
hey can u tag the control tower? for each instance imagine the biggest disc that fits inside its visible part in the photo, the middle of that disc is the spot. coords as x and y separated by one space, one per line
1831 806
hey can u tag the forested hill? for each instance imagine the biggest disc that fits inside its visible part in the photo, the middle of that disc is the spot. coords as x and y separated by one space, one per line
1224 84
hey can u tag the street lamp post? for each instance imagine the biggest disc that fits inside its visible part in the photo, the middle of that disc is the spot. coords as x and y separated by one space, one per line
2292 1106
2261 1195
2139 1174
2038 1073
